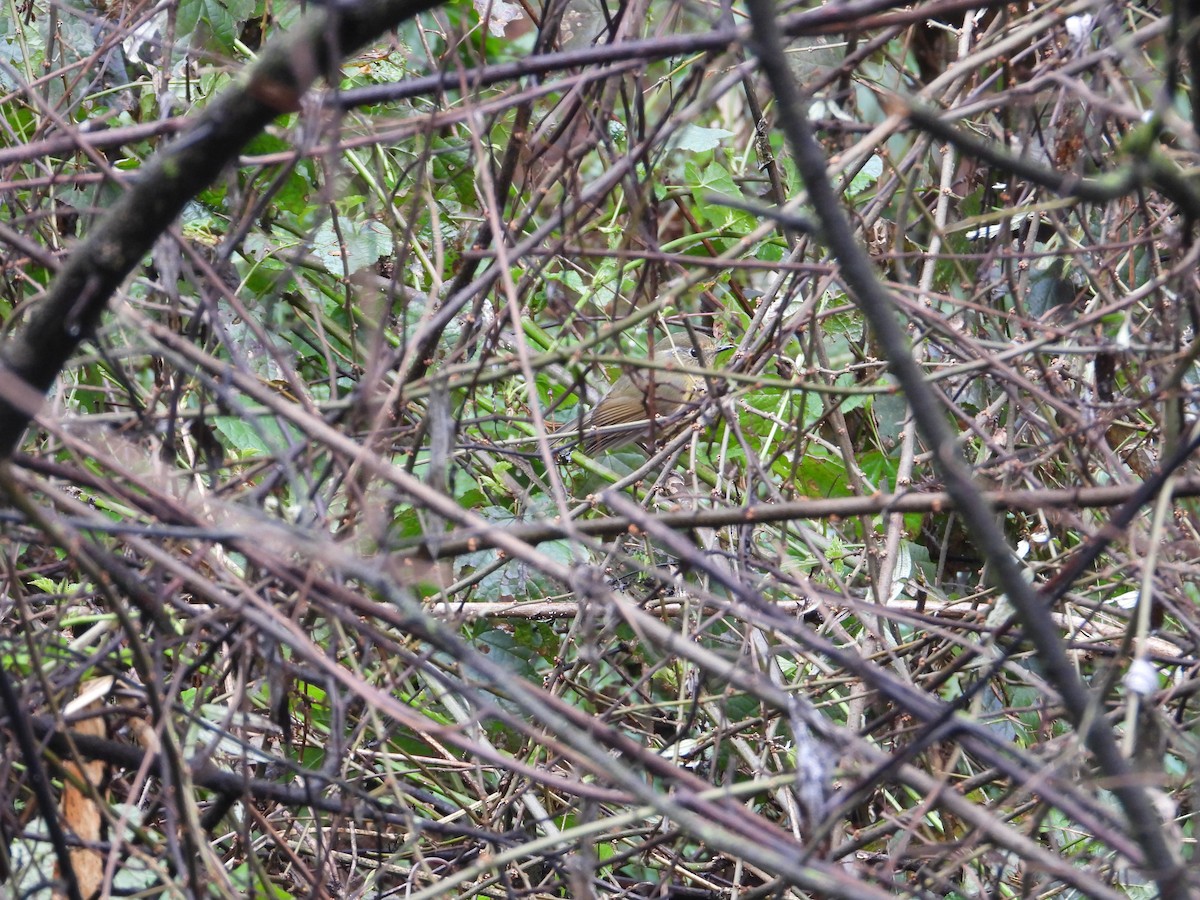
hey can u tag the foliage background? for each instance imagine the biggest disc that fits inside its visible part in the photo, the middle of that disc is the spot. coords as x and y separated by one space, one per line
292 528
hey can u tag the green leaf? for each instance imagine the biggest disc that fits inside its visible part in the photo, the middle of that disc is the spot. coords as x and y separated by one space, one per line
215 22
714 180
1048 289
866 176
263 437
365 242
694 139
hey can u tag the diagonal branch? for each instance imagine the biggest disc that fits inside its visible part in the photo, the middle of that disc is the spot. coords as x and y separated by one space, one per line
927 410
32 358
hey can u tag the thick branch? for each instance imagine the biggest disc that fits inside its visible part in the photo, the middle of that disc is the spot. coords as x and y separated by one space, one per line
34 356
929 413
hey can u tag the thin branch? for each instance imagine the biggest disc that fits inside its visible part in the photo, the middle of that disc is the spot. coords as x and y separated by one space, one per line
857 271
31 359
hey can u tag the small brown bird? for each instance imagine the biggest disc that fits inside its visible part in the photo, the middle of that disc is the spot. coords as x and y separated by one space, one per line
634 406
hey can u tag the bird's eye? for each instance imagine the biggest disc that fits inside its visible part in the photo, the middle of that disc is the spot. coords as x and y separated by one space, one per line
695 355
